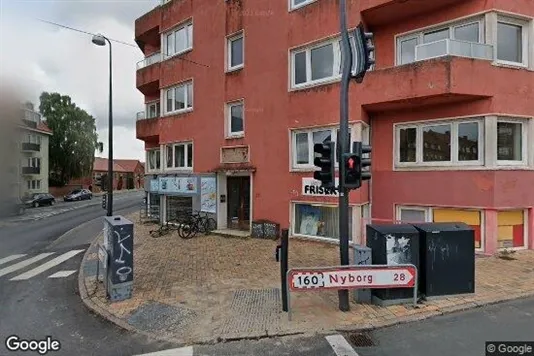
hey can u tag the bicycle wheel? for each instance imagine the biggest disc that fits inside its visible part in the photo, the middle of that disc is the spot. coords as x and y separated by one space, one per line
187 230
155 233
209 225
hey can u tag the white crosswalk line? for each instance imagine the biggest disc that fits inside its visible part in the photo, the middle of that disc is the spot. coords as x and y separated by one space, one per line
46 266
182 351
62 274
24 263
340 345
10 258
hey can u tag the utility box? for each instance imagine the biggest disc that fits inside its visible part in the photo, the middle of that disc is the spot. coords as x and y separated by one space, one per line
447 252
393 244
119 243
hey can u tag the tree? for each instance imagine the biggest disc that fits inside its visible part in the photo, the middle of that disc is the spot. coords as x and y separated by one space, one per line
74 141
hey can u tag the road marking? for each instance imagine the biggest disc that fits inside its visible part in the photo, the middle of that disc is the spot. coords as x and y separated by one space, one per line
340 345
182 351
10 258
46 266
61 274
24 263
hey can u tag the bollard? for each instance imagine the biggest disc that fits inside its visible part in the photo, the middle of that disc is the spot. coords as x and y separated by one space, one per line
362 256
284 246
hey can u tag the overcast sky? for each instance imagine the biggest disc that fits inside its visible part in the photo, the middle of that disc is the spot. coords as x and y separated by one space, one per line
44 57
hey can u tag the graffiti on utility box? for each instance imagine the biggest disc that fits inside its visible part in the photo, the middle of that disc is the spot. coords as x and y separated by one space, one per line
121 259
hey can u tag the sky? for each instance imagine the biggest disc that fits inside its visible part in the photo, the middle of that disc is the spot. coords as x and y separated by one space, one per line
42 57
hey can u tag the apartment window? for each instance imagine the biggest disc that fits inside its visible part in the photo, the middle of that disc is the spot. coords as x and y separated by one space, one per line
465 39
511 142
303 142
317 220
34 184
179 156
236 52
178 40
153 110
179 98
409 214
295 4
512 41
440 143
319 63
235 119
154 160
34 162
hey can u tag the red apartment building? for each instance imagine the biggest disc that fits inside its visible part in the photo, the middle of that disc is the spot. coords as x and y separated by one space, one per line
237 92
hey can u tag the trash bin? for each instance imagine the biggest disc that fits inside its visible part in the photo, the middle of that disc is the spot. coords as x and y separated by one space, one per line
393 244
447 253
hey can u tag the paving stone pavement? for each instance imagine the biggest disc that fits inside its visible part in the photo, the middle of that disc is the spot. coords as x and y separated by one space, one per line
216 288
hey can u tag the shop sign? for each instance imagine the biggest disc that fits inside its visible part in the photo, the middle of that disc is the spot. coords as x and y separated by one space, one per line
154 185
177 185
312 187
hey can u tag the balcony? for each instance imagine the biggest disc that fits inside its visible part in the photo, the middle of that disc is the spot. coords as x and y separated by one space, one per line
33 147
448 47
31 170
433 81
147 78
30 123
381 12
147 29
153 58
147 128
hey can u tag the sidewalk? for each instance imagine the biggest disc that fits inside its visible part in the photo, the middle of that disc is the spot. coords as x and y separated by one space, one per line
212 288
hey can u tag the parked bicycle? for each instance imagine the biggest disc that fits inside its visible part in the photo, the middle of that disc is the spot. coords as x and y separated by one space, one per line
164 229
196 222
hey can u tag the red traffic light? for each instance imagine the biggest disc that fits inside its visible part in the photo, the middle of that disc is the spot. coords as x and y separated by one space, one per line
351 163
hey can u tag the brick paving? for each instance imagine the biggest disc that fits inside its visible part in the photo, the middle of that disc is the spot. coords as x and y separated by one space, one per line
228 288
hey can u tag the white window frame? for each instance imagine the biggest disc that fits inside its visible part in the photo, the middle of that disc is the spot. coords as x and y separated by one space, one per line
524 142
419 35
293 214
426 210
336 76
311 155
186 154
189 38
148 152
229 40
154 104
525 48
454 144
228 119
164 91
293 6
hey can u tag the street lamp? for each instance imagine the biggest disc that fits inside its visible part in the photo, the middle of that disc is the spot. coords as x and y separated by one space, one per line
100 40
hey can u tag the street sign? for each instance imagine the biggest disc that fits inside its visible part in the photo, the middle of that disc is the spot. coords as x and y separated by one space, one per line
354 277
351 277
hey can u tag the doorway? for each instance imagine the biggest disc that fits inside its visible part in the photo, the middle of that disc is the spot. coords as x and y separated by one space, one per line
238 203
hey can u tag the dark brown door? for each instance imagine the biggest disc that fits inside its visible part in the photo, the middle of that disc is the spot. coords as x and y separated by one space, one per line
238 202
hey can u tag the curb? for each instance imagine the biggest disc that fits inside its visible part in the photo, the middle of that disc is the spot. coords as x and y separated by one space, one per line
370 326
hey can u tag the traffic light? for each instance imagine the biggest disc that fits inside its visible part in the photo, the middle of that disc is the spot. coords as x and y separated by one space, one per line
365 48
104 201
325 162
356 166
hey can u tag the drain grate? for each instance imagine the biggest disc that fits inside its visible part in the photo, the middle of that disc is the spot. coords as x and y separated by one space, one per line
361 340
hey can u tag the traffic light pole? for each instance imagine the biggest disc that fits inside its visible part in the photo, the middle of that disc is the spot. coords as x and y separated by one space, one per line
344 233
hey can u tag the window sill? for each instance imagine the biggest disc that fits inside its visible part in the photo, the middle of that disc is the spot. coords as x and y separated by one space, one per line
462 168
307 169
299 6
234 69
175 113
166 58
179 169
510 65
317 83
235 136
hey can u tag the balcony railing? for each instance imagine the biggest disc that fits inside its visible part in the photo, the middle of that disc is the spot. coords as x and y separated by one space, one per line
448 47
153 58
31 170
29 123
140 115
27 146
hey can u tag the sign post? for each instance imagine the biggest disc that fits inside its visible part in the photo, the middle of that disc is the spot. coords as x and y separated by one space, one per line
351 277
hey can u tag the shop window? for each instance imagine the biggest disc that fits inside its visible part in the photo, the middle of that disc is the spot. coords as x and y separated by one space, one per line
153 205
178 207
318 221
511 229
469 217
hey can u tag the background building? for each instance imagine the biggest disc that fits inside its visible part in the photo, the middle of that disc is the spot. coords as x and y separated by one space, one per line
241 91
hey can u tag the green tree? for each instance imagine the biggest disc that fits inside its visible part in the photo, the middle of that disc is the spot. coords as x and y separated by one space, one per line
74 141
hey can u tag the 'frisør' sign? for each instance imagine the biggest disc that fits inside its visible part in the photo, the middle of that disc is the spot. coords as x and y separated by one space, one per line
313 187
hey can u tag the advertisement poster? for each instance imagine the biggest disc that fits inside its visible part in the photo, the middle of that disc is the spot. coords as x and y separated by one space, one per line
154 185
398 250
208 195
309 216
177 185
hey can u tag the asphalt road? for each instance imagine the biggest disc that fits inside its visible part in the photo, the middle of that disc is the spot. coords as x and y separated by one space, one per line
41 299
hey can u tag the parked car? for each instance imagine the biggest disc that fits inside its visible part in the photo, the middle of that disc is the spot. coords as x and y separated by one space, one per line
40 199
11 207
78 194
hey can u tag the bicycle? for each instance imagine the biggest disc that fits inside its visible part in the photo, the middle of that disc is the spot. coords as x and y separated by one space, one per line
163 230
205 223
193 223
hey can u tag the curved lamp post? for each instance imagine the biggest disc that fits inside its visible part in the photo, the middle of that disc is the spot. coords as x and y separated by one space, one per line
101 40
